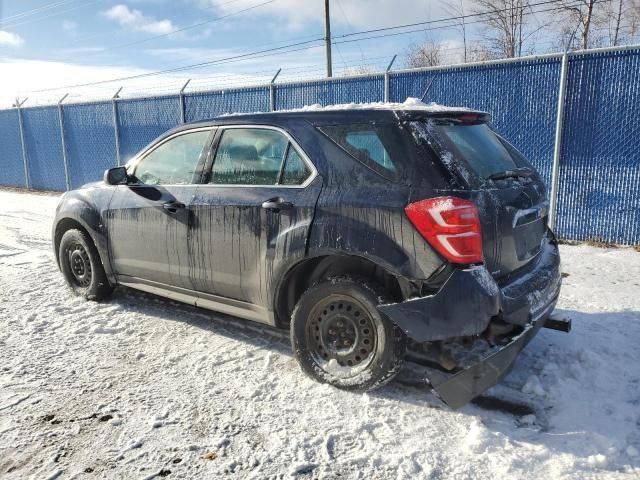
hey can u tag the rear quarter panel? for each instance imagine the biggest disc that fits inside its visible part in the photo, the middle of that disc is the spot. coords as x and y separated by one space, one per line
361 213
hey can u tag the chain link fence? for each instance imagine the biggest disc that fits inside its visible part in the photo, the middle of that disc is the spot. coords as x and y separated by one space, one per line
598 187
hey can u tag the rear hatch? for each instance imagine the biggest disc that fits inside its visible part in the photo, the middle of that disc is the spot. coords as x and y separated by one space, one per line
485 168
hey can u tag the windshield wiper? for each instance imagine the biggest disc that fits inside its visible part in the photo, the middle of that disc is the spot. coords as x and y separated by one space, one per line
515 173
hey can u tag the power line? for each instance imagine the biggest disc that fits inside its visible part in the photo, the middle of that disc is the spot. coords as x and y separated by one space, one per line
344 14
51 14
439 27
186 67
33 11
305 45
458 17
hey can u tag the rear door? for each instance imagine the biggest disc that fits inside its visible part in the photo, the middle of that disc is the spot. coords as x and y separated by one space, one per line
148 220
510 195
251 215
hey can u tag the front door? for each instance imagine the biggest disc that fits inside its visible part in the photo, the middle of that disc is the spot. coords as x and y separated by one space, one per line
251 215
148 220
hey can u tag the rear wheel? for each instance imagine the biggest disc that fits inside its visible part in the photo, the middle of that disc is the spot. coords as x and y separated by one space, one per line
339 336
81 266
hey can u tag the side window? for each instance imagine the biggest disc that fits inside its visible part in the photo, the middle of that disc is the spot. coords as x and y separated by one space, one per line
174 162
249 156
369 147
376 146
296 171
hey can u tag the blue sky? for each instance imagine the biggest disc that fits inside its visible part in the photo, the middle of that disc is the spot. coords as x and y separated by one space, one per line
47 43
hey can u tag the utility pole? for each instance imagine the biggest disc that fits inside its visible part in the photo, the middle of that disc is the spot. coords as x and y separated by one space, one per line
327 36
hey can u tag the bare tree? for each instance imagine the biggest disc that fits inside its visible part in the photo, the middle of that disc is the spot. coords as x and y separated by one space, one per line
503 20
576 23
597 23
622 21
456 10
428 54
362 69
480 53
634 21
614 17
510 26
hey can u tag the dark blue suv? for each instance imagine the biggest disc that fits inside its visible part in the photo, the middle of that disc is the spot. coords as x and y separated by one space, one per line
375 234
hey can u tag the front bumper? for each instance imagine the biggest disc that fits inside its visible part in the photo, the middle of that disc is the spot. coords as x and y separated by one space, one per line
464 307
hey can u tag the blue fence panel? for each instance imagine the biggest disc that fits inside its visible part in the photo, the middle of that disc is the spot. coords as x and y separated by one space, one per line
202 106
90 141
329 92
143 119
522 98
599 184
11 164
44 148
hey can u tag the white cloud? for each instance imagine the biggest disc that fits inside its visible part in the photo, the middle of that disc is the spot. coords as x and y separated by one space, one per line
69 26
10 39
359 14
136 20
20 78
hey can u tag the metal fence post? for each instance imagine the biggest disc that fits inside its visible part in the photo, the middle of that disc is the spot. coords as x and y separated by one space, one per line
23 143
116 129
272 91
387 79
555 169
63 142
182 112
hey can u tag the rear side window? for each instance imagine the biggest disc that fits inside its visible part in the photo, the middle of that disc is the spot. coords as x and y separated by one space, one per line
369 144
295 171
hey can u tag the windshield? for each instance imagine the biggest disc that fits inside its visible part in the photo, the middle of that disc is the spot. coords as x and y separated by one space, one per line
484 153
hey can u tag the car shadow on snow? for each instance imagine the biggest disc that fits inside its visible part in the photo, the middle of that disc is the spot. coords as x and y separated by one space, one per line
583 388
562 393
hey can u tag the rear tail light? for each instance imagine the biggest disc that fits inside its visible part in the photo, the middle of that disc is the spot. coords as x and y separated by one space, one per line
451 225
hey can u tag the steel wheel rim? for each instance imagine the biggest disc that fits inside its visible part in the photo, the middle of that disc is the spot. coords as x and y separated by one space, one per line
79 265
341 337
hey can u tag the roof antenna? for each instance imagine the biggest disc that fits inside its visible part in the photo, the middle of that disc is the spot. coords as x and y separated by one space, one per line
427 90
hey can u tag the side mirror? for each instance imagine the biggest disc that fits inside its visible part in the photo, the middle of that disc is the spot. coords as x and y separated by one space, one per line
116 176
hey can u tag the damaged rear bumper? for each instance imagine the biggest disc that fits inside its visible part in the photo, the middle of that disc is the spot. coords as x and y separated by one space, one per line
465 306
457 389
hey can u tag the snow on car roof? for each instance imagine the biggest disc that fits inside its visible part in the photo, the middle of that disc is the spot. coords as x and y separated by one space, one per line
411 103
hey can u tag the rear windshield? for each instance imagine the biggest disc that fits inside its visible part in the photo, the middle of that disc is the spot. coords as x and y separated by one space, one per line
483 152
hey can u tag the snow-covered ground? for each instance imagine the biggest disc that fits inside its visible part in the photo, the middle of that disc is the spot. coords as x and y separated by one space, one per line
141 386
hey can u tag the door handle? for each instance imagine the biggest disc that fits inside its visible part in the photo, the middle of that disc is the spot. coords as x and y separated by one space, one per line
276 204
173 207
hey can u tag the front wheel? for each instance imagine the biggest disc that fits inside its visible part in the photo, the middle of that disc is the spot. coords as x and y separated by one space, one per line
339 336
81 266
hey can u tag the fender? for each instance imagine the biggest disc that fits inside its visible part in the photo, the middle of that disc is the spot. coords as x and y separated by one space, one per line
85 206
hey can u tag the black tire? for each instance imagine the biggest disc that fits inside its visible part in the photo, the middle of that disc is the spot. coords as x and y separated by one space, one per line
339 336
81 266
